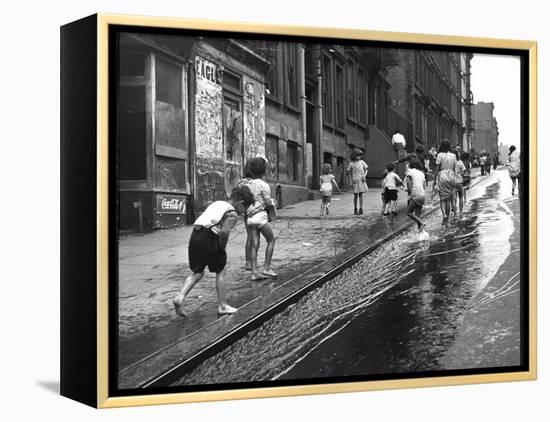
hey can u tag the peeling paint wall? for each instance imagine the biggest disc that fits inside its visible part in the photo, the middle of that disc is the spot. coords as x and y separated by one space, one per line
208 135
254 118
208 106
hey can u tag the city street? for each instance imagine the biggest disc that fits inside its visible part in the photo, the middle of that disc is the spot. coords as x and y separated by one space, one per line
407 306
451 302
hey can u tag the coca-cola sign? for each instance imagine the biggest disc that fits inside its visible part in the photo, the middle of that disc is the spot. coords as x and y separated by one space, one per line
170 204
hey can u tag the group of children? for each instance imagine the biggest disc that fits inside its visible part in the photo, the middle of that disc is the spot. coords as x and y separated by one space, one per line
252 198
208 241
415 184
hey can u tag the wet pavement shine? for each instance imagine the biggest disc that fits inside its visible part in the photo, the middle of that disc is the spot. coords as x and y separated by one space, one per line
410 306
152 338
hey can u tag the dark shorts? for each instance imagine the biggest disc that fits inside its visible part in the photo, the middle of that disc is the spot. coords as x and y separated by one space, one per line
326 199
205 250
390 195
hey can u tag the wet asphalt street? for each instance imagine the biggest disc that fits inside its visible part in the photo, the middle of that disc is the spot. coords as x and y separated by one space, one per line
452 301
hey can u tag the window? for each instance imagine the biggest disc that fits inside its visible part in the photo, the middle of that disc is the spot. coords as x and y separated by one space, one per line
132 123
132 133
132 65
339 96
291 64
168 82
327 90
351 90
292 161
273 50
362 95
231 82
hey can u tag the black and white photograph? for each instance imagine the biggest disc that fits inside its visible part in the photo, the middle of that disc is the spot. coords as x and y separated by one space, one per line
306 211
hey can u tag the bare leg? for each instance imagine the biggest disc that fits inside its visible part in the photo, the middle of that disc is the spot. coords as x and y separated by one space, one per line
223 307
254 246
322 207
442 206
247 265
355 195
361 203
447 209
393 206
267 233
411 213
187 286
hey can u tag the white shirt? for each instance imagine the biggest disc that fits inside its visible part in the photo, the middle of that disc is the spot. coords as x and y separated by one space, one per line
391 181
397 138
213 215
418 181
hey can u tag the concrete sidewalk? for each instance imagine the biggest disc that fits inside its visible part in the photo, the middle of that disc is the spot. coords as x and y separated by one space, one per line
152 268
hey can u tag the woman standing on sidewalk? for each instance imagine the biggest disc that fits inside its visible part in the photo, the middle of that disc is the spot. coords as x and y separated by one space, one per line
514 167
444 179
357 170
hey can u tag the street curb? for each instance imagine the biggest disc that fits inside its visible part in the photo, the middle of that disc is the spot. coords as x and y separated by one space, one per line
171 375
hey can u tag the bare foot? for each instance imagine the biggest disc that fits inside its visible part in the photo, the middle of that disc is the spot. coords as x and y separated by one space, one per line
247 265
257 276
270 273
226 309
178 305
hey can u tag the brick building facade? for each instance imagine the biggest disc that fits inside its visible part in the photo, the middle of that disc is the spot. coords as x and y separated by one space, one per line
430 91
485 137
192 110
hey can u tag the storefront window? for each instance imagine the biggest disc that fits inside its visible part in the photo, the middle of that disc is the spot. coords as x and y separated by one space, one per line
168 77
132 133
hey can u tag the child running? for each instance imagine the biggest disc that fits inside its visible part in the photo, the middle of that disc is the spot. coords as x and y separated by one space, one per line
416 187
357 170
327 179
207 245
390 186
258 221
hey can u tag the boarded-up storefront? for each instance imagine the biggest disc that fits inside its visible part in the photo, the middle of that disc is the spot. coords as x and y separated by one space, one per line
229 117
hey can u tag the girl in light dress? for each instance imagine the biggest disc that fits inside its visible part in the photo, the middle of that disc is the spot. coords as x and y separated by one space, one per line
327 179
358 170
444 179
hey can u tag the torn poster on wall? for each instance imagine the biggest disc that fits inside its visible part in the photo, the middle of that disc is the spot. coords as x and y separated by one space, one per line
254 118
208 110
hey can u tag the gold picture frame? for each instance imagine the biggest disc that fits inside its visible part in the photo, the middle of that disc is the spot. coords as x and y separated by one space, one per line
77 340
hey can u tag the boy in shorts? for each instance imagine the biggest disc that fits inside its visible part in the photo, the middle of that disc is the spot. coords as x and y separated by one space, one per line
207 245
390 186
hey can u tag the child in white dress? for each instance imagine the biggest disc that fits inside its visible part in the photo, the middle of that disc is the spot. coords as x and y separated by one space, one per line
327 180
